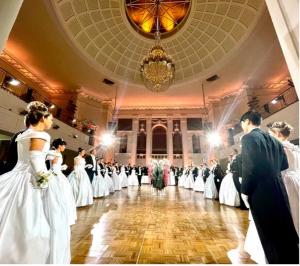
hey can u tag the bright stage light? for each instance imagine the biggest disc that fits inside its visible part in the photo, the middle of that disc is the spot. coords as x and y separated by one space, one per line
107 139
14 82
214 139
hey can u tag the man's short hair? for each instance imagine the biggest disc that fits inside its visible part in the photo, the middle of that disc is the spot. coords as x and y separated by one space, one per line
254 117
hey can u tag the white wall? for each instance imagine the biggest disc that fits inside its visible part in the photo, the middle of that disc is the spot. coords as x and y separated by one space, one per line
11 121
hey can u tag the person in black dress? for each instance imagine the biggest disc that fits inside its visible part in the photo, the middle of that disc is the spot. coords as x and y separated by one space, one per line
263 159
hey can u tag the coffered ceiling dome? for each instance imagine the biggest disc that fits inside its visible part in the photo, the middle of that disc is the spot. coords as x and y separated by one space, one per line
102 33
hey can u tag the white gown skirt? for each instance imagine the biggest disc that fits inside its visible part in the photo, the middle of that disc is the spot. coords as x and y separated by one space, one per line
123 179
81 187
228 194
117 181
210 190
56 210
291 182
199 184
181 181
189 181
24 229
133 180
252 243
109 182
67 190
172 179
100 187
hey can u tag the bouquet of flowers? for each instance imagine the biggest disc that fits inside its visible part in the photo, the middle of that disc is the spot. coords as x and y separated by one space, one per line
41 180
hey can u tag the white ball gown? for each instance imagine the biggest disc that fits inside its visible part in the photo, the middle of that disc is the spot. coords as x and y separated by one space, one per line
228 194
116 180
100 188
199 183
252 243
172 179
64 184
109 182
132 179
24 229
189 181
291 179
182 178
80 183
123 177
210 190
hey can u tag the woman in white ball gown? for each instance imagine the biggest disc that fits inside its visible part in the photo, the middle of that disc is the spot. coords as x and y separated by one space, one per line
132 179
182 178
210 189
172 177
109 181
228 194
34 225
189 181
123 177
56 160
199 183
116 179
80 182
100 188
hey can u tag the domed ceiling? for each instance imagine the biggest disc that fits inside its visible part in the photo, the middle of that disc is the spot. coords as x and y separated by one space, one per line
103 34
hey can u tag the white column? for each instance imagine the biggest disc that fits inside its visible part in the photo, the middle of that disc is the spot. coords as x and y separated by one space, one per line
9 10
183 126
170 140
135 127
285 17
148 140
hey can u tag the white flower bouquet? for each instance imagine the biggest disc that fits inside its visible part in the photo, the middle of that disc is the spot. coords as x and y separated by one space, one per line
41 180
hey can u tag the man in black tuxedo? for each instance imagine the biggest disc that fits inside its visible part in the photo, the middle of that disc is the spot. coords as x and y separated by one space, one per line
195 172
102 167
206 172
139 173
219 174
91 164
236 169
263 159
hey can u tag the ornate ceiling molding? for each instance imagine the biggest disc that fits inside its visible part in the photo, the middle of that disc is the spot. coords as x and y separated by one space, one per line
22 69
101 33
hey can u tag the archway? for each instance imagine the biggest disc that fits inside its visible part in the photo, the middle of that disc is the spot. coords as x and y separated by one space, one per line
159 140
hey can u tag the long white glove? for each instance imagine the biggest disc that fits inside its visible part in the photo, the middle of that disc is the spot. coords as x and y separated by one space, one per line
64 167
40 172
245 199
56 168
89 166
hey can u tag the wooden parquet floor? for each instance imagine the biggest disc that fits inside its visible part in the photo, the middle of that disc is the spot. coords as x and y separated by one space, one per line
135 226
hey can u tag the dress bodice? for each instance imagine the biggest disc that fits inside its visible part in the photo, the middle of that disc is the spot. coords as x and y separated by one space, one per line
23 145
51 155
80 162
293 155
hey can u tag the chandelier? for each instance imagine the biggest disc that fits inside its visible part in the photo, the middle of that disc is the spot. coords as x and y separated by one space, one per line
157 68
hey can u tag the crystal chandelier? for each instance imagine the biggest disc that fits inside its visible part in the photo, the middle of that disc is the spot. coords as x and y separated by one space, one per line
157 68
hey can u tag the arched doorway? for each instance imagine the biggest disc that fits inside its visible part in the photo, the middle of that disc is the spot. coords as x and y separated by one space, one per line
159 140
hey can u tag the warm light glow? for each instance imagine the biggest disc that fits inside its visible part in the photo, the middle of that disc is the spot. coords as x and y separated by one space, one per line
52 106
107 139
14 82
214 139
274 101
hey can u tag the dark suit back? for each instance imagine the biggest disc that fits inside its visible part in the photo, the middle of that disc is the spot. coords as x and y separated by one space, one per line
263 159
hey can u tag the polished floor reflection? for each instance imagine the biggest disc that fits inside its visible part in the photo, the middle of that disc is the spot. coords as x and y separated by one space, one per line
136 226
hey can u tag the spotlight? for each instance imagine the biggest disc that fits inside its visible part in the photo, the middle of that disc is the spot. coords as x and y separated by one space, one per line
107 139
74 121
14 82
274 101
214 139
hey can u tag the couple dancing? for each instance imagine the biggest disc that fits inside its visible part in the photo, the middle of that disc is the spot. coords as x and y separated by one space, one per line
160 174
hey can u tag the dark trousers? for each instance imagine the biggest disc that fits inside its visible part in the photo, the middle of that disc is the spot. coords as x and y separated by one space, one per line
140 179
237 185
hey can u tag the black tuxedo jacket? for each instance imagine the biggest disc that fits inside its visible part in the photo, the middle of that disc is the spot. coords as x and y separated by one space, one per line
263 159
90 171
